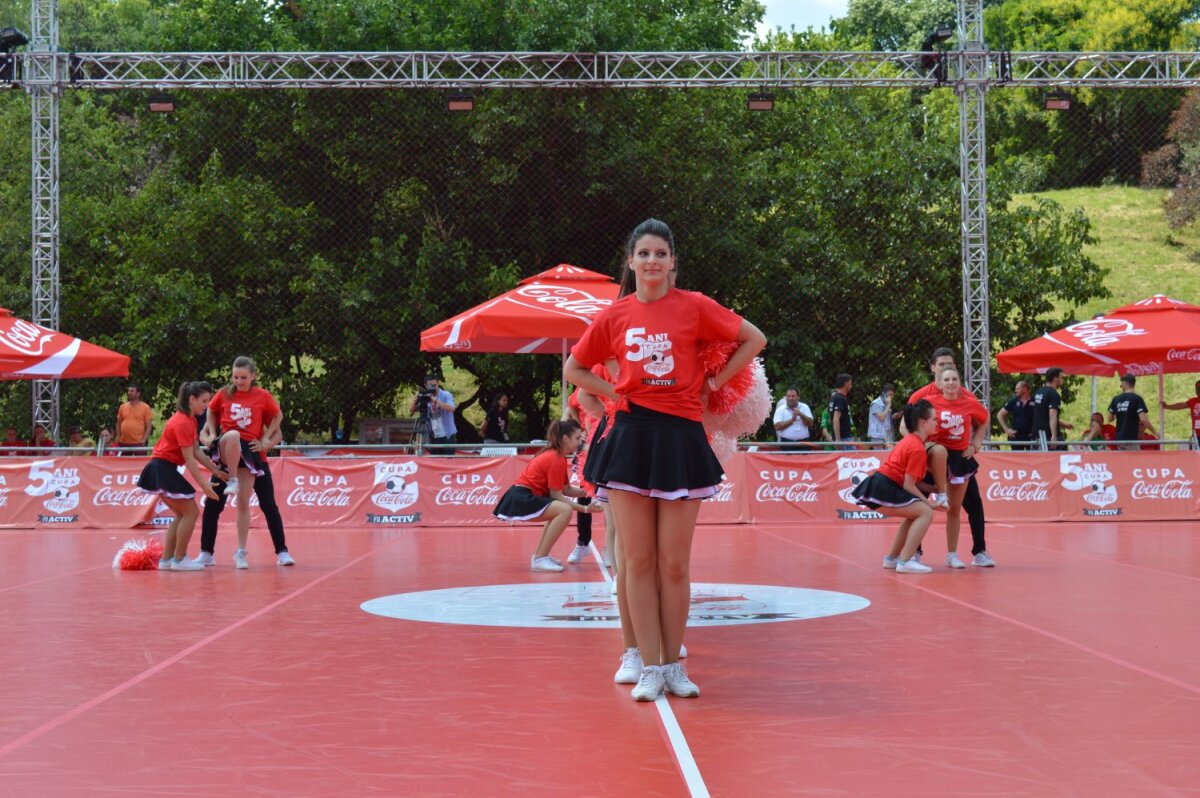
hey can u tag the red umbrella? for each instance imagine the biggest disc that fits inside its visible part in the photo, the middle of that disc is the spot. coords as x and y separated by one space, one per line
31 352
543 315
1158 335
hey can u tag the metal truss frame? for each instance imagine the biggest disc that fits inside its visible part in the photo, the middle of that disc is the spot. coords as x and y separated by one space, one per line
971 70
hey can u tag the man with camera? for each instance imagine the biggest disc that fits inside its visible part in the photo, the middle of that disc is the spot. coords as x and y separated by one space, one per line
435 405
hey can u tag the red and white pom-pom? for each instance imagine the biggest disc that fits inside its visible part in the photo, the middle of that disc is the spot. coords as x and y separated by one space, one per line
139 555
744 416
713 357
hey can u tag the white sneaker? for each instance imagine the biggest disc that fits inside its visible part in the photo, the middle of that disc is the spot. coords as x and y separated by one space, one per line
650 684
186 565
231 486
537 563
915 558
682 651
890 562
164 564
283 558
577 554
913 566
205 558
631 667
239 559
952 561
983 560
676 680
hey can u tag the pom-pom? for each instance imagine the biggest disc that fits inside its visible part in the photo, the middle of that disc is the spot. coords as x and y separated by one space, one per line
139 555
744 416
713 357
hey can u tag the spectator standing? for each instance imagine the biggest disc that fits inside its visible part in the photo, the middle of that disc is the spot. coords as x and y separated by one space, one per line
1129 411
495 424
1193 406
1047 405
1016 417
839 409
11 446
793 419
879 421
134 420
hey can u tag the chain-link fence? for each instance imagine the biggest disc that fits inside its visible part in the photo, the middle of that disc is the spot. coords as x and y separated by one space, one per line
320 231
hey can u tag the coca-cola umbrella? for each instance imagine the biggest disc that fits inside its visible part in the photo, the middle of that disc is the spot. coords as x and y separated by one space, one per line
1158 336
544 314
29 351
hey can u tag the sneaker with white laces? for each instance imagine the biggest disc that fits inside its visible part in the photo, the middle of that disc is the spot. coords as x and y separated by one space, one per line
890 562
676 681
983 560
205 558
631 667
239 559
682 651
913 566
952 560
537 563
186 565
650 684
577 554
283 558
164 564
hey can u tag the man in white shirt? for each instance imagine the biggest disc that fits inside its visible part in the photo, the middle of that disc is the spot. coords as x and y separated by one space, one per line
793 419
879 422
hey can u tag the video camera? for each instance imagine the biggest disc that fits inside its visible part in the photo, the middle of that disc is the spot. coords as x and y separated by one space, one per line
425 396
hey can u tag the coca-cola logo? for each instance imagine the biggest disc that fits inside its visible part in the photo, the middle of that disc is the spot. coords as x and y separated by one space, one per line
469 497
1101 332
1183 354
794 493
26 338
114 497
1170 489
1143 369
1029 491
563 297
319 497
724 494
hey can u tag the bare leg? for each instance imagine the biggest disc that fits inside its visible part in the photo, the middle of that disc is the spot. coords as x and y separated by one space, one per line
676 526
937 466
900 537
230 447
557 515
170 536
612 543
180 533
245 489
954 516
637 518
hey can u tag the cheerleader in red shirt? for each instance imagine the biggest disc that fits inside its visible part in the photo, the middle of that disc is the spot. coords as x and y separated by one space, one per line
893 491
655 463
242 411
177 447
962 424
541 492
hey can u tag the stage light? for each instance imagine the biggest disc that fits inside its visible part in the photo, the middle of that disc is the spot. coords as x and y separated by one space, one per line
12 38
1056 101
460 103
760 102
161 103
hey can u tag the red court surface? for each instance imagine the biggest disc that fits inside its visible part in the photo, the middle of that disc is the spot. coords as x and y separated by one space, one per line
1072 669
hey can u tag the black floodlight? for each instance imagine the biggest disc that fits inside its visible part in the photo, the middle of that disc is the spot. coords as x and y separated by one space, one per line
161 103
460 103
760 102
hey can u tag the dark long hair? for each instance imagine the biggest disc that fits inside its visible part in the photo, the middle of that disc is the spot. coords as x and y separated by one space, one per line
916 412
650 227
188 390
558 432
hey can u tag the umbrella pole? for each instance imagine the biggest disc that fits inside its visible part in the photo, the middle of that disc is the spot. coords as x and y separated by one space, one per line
1093 394
563 377
1162 413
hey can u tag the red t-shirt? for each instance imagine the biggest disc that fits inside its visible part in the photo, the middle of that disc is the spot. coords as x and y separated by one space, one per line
657 345
246 411
907 457
546 472
954 431
1194 406
179 432
931 389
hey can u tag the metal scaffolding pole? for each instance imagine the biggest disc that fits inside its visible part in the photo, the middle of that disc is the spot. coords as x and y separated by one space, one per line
971 85
42 79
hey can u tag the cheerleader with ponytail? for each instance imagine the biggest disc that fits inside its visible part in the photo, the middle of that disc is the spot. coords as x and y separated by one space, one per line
541 492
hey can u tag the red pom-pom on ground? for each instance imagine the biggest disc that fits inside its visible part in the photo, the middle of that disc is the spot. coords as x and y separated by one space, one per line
139 555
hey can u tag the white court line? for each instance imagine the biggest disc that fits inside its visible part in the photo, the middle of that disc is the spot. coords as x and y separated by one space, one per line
679 746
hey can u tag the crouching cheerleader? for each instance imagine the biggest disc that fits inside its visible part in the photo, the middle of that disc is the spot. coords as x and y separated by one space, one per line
892 490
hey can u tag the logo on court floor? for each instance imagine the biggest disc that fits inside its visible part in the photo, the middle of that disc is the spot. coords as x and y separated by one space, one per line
589 605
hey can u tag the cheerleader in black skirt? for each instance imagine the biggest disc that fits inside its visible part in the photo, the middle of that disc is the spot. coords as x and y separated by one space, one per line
541 492
892 490
655 464
178 447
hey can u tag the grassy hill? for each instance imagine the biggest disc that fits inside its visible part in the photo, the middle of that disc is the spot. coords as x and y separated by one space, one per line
1144 257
